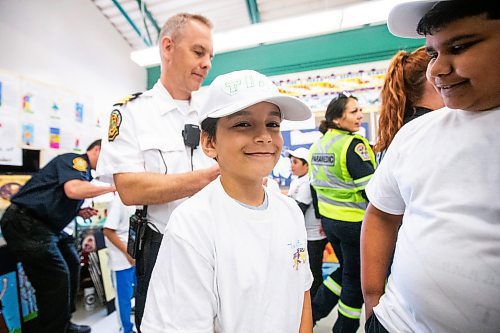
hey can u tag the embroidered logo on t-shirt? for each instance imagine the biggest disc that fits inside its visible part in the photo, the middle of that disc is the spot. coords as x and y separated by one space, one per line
299 256
79 164
362 151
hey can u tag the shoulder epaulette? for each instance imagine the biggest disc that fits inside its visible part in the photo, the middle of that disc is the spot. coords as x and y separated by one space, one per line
127 99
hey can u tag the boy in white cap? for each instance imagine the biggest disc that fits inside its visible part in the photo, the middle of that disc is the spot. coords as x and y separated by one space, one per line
437 188
236 256
301 191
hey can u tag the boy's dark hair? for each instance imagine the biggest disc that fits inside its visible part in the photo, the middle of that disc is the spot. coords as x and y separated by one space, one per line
445 12
304 162
209 126
94 144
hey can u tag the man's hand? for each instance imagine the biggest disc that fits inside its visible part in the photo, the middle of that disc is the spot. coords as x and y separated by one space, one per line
130 259
87 212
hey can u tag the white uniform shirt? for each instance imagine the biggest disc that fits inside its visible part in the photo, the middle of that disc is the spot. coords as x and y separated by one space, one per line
300 190
118 220
227 268
442 171
150 137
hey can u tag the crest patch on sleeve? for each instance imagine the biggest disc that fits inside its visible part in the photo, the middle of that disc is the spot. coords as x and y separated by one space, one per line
80 164
115 120
362 151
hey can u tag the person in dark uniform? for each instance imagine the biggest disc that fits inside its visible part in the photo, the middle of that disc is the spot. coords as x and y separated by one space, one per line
32 227
341 164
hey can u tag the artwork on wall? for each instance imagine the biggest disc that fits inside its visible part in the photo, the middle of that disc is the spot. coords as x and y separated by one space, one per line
29 309
42 114
10 320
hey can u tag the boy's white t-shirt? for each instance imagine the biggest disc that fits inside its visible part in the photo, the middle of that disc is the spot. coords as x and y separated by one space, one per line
226 268
300 190
442 171
118 219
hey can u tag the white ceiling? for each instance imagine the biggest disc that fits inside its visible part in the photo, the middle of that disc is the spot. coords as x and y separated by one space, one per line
226 15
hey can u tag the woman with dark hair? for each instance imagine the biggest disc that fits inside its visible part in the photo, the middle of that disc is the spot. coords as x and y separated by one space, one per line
341 164
406 95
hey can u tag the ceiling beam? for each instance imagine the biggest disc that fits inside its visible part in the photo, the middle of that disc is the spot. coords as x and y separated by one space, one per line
253 11
149 16
129 20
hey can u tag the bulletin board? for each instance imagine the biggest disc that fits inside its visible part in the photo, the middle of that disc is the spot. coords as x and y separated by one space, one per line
36 115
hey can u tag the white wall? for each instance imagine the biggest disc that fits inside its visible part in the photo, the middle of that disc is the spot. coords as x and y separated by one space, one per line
70 44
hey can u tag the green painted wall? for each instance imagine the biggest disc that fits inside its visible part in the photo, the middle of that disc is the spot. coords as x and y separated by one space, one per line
371 43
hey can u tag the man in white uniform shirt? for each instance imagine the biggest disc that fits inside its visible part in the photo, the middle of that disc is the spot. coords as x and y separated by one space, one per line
145 150
437 188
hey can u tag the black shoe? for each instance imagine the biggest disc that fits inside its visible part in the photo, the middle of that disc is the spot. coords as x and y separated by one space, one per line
74 328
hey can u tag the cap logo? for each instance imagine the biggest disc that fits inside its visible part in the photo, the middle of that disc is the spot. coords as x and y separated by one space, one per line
233 87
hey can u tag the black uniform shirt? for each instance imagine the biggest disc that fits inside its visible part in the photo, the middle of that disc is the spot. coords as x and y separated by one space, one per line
44 193
356 166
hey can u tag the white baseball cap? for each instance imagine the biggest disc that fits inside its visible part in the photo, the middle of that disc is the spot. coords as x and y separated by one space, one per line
404 17
301 152
235 91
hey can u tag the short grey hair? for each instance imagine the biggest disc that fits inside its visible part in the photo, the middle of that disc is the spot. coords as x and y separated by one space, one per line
176 24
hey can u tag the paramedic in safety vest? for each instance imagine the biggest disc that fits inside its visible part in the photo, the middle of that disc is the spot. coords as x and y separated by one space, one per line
341 164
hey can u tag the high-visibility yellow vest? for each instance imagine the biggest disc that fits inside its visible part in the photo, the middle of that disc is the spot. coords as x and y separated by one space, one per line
339 195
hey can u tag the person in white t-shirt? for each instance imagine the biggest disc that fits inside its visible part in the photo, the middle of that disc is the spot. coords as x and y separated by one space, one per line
437 188
120 262
301 191
236 256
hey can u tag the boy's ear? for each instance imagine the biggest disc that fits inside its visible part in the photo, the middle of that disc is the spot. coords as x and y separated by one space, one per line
207 145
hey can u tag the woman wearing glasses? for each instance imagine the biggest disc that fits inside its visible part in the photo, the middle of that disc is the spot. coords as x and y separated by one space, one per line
341 163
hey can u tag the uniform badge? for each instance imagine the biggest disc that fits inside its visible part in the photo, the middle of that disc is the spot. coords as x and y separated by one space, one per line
80 164
115 120
127 99
362 151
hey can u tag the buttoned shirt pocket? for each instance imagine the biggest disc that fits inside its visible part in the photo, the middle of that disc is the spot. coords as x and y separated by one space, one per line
163 153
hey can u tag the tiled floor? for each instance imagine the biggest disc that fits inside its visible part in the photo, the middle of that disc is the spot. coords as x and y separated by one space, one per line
101 323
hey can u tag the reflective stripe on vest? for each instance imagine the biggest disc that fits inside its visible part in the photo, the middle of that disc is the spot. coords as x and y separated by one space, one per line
339 196
349 312
333 286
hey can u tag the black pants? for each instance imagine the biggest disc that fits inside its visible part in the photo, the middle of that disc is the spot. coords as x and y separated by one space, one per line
144 265
67 246
46 262
315 248
372 325
343 286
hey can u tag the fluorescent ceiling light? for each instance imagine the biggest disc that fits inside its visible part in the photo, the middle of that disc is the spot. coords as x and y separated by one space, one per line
288 29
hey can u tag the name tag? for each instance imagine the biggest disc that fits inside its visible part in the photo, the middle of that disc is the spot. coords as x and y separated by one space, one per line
323 159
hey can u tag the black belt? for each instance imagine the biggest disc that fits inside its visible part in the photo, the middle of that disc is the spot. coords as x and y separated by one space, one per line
25 211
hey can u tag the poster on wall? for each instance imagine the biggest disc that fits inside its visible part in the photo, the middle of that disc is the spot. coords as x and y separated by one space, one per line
10 153
10 320
54 137
10 185
79 112
29 309
9 92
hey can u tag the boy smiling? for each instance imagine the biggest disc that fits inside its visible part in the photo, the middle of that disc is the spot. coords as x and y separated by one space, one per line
236 259
440 182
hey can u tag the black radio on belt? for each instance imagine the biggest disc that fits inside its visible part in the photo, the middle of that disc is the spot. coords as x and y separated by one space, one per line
191 135
137 226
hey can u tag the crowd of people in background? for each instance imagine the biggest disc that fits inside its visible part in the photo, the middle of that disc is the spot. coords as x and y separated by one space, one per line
413 219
